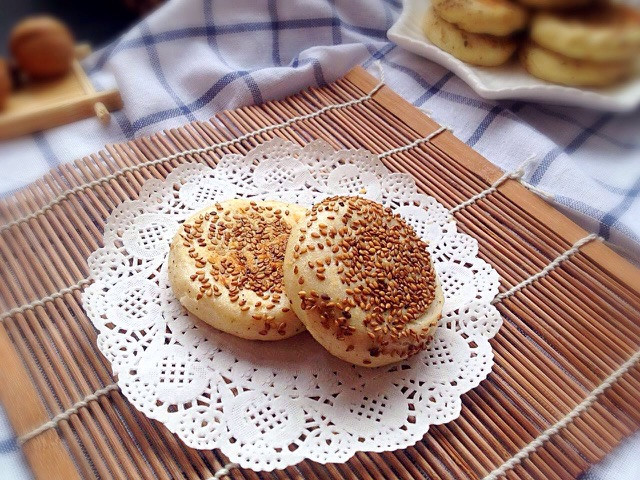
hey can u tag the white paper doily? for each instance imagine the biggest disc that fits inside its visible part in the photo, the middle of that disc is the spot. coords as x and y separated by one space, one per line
269 405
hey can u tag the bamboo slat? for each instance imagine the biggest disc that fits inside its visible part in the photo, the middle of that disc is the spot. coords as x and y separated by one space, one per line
562 336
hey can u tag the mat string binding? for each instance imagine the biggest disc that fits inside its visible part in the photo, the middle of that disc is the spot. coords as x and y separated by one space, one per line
548 196
197 151
226 470
556 427
41 302
556 261
67 413
517 174
413 144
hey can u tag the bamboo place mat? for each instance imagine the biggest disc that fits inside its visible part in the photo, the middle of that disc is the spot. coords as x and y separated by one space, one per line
570 310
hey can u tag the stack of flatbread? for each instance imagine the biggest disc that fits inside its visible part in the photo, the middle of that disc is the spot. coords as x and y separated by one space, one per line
572 42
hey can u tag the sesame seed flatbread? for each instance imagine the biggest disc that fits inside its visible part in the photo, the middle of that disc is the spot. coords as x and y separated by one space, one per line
225 267
362 282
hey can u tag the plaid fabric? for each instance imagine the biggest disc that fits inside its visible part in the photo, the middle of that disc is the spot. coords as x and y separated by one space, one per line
192 58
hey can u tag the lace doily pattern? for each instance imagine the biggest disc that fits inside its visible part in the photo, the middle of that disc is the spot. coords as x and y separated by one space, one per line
271 405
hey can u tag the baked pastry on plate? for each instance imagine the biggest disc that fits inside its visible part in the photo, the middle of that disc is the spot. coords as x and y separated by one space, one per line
493 17
554 67
476 48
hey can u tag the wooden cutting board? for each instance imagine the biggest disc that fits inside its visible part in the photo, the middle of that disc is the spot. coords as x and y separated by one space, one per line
40 105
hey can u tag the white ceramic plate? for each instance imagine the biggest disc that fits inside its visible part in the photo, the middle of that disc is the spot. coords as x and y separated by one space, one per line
509 81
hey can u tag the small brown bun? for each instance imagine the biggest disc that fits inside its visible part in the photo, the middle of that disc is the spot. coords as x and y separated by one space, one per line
43 47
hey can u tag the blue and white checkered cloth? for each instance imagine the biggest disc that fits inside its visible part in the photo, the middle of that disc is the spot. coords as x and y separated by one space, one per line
192 58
